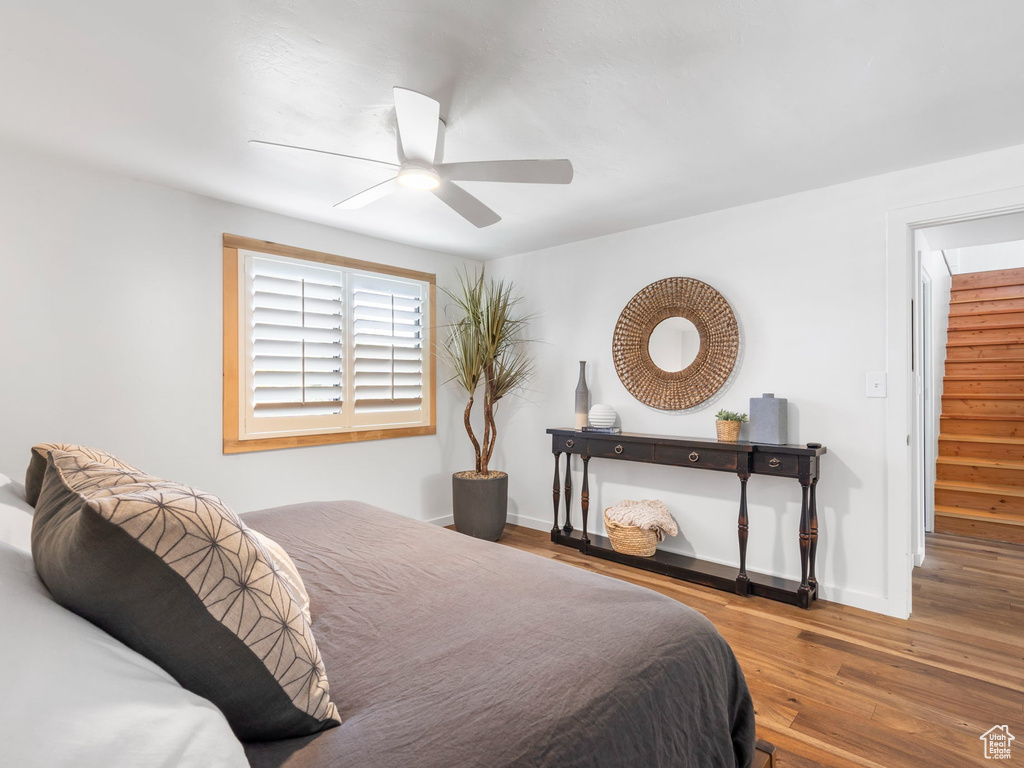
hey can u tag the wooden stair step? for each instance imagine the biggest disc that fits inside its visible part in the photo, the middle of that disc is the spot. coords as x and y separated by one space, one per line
983 439
968 353
958 307
988 279
984 396
985 377
996 321
995 427
981 294
974 515
984 404
988 530
1007 359
981 447
994 463
981 342
995 387
969 469
982 417
984 367
1004 501
994 490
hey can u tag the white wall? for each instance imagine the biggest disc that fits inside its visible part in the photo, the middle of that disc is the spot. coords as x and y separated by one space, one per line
806 275
110 335
984 258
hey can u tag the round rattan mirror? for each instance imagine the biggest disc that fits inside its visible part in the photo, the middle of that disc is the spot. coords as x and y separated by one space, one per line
719 334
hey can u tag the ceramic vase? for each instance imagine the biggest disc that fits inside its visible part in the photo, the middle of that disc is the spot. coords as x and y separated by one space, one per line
582 398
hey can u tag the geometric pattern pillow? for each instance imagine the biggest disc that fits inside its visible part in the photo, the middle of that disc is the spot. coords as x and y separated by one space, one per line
37 465
177 576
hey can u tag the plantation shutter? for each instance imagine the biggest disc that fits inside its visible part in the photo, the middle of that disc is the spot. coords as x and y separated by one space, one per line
297 338
388 338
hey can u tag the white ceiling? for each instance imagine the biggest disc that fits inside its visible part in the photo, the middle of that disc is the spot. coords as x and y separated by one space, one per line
666 109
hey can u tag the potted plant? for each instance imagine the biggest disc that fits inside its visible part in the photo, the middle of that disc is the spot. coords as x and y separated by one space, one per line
484 349
728 425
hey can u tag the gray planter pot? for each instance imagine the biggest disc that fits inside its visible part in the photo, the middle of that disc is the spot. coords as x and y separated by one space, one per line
480 505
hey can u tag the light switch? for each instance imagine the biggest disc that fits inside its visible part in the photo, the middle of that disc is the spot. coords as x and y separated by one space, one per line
876 384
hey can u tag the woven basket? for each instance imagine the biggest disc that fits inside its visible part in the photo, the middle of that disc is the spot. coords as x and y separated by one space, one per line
728 431
630 540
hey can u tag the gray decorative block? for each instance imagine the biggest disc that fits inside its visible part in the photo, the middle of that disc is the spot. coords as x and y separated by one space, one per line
768 423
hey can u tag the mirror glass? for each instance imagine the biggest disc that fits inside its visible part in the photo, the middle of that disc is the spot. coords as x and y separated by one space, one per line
674 344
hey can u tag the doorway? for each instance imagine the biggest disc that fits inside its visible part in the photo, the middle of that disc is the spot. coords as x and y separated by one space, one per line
972 396
906 416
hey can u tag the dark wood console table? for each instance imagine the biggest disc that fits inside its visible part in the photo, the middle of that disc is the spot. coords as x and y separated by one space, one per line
742 458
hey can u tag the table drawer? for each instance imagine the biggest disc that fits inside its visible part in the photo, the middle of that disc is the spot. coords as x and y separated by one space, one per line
614 450
568 444
702 458
766 463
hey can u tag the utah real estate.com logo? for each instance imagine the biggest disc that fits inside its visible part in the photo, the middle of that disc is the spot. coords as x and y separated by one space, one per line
997 742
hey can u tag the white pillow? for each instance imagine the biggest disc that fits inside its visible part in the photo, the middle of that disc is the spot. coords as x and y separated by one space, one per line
15 515
74 697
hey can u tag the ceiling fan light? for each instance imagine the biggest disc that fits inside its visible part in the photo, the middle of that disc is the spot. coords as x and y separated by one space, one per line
419 178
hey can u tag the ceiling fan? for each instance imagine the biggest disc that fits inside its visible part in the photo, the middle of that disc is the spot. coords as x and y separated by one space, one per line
419 166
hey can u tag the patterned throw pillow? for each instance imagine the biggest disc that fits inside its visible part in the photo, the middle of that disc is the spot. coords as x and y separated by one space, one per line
177 576
37 464
285 567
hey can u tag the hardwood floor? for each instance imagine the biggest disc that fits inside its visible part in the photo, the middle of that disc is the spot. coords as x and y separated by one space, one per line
840 687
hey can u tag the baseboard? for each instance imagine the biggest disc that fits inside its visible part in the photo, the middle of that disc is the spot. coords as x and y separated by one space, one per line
443 521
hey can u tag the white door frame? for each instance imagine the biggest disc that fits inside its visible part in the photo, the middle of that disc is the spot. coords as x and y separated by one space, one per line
902 279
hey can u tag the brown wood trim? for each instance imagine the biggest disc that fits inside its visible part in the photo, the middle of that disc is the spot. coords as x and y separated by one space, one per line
231 441
432 352
302 441
230 335
276 249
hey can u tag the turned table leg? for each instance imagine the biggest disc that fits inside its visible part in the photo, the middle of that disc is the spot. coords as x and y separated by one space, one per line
567 528
556 493
585 498
812 580
742 580
803 593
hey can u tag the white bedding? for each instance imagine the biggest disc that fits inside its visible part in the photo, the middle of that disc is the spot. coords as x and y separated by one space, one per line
74 697
15 515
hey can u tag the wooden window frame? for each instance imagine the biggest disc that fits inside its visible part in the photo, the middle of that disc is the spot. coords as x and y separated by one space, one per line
233 374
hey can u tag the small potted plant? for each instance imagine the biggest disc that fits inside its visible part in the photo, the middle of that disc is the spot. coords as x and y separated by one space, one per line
728 425
484 350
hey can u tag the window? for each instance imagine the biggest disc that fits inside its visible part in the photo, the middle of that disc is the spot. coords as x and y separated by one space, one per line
323 349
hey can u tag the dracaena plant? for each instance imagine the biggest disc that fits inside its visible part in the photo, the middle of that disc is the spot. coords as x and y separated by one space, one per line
485 350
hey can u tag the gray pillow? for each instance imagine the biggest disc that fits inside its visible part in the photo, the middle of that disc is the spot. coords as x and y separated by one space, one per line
174 574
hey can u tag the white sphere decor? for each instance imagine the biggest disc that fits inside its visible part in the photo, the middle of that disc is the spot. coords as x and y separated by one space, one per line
602 416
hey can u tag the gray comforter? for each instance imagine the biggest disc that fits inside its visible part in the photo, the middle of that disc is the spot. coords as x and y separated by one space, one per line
443 651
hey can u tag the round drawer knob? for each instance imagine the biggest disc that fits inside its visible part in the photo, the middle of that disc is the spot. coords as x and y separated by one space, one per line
618 449
694 456
570 443
774 463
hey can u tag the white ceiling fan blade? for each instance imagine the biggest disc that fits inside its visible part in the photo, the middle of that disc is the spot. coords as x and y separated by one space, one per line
275 145
418 125
368 196
467 206
523 171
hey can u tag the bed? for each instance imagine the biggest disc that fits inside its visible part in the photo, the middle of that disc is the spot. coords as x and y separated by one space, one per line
441 650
